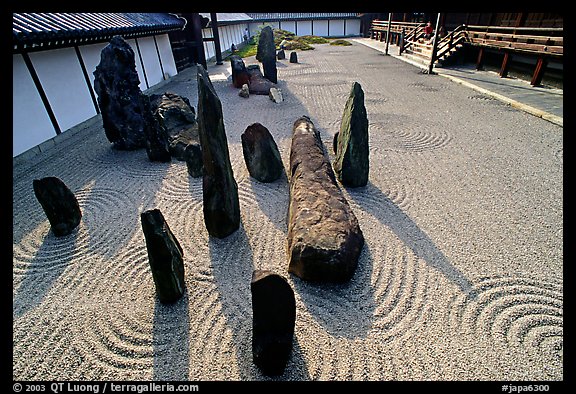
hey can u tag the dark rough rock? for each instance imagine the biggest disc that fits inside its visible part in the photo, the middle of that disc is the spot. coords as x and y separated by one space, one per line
157 147
220 191
175 114
193 157
273 321
258 84
119 97
293 57
245 91
281 55
239 74
165 256
351 164
324 238
267 54
59 204
261 154
335 142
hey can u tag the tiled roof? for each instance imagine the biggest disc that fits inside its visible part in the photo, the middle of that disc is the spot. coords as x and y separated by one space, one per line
228 18
273 16
47 30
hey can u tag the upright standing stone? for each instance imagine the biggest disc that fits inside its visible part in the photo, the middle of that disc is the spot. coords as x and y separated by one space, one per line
119 97
261 153
273 320
220 191
239 74
193 157
324 238
59 204
293 57
267 51
165 256
281 55
351 164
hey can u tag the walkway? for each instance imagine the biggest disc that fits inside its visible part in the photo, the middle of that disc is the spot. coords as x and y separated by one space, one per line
541 101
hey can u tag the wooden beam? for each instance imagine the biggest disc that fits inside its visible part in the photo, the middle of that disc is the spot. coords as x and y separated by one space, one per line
480 59
539 71
216 35
388 32
434 45
505 62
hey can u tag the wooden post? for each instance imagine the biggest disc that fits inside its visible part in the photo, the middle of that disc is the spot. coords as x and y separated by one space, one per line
479 60
504 68
216 35
539 71
434 45
388 32
197 44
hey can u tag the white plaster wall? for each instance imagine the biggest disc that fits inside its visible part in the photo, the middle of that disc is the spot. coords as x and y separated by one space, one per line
142 84
91 56
336 28
320 28
30 122
288 26
151 62
304 28
61 77
352 27
165 49
209 48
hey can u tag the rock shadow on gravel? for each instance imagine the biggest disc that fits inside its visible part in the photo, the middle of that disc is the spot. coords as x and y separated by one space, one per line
393 217
171 340
343 309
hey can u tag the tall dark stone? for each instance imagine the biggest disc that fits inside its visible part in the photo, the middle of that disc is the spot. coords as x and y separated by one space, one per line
281 55
239 74
220 191
119 97
351 164
193 157
165 256
293 57
59 204
273 320
267 51
324 238
261 153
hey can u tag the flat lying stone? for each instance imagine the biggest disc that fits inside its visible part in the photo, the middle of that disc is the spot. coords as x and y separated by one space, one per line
59 205
324 238
273 320
258 84
165 256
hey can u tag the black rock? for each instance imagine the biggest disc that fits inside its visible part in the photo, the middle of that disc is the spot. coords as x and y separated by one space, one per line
220 191
293 57
157 147
59 204
324 238
119 96
261 153
193 157
273 321
335 142
239 74
175 114
281 55
165 256
258 84
267 51
351 164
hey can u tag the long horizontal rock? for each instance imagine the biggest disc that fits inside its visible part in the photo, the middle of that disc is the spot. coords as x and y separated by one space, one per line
324 238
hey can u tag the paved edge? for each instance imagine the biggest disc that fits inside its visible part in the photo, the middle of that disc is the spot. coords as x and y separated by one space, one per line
557 120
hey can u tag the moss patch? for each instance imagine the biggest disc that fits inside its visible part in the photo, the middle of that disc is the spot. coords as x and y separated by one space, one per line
340 42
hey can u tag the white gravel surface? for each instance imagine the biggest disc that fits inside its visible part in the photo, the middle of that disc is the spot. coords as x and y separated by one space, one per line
460 278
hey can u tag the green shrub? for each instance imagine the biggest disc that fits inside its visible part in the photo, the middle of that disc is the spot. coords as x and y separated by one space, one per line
340 42
313 40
